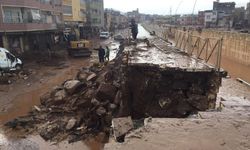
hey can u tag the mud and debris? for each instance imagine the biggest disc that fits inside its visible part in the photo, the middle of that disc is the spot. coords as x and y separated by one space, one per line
84 106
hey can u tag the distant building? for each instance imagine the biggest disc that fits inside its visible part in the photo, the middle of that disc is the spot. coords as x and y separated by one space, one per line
247 17
201 18
95 15
239 17
134 15
29 24
226 7
188 20
211 17
114 20
225 12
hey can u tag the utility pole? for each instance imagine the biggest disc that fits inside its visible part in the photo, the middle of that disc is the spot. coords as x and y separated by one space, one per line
193 12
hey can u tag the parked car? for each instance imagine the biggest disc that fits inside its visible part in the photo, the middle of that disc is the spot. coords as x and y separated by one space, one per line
104 35
119 37
8 62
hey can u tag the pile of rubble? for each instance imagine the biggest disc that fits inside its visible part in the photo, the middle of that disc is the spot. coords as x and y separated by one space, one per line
119 92
10 77
77 109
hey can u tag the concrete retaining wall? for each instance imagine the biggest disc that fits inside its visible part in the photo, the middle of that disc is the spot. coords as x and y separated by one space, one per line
236 46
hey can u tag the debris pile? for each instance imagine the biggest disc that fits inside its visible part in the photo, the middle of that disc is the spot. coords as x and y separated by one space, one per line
10 77
119 92
77 109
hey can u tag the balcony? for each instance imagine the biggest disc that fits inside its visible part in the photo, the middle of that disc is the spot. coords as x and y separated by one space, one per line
22 27
32 4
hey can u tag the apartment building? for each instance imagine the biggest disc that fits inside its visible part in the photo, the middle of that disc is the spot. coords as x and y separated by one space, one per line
211 18
29 24
114 20
95 16
74 16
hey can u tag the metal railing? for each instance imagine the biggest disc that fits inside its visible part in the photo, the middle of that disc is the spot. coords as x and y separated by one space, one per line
199 47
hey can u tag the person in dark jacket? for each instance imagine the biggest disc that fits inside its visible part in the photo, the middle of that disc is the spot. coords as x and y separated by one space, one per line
134 29
101 54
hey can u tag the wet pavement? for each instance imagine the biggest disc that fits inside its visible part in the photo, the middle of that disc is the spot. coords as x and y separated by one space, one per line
167 57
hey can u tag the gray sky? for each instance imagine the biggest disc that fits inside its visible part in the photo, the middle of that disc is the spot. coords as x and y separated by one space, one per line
163 6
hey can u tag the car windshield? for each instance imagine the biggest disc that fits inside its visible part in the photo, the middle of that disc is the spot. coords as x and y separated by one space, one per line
104 33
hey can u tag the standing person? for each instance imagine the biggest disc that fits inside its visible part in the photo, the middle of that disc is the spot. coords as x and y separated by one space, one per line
134 29
101 54
107 53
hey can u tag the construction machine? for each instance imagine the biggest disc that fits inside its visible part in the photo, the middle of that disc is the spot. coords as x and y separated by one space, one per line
78 47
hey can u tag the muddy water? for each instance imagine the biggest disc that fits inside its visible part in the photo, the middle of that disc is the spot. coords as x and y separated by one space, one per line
236 69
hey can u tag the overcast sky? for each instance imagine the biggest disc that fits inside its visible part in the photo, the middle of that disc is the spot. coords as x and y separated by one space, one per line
163 6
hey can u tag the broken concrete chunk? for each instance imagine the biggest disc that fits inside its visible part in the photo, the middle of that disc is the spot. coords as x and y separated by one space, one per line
89 94
45 97
71 124
49 131
82 76
92 77
95 102
37 108
60 96
164 102
71 86
112 107
106 91
121 126
101 111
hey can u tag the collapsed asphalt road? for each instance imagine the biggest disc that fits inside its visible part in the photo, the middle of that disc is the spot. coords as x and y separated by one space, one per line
71 121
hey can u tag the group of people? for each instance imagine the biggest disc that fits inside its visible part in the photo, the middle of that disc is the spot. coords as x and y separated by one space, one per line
103 54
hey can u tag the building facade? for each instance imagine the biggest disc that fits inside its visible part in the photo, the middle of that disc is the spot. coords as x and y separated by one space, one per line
95 15
114 20
247 16
29 24
75 16
211 18
135 14
226 7
201 18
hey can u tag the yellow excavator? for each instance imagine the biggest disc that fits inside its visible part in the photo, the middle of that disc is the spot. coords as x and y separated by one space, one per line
78 48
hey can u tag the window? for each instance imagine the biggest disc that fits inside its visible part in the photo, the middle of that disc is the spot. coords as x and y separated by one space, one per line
67 10
12 15
46 1
82 2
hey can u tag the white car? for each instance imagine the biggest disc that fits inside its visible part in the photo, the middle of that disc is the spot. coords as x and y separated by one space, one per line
8 62
104 35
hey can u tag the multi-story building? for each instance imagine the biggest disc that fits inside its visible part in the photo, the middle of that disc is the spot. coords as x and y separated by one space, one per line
134 15
28 24
247 17
201 18
114 20
239 16
188 20
95 15
75 16
210 18
226 7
